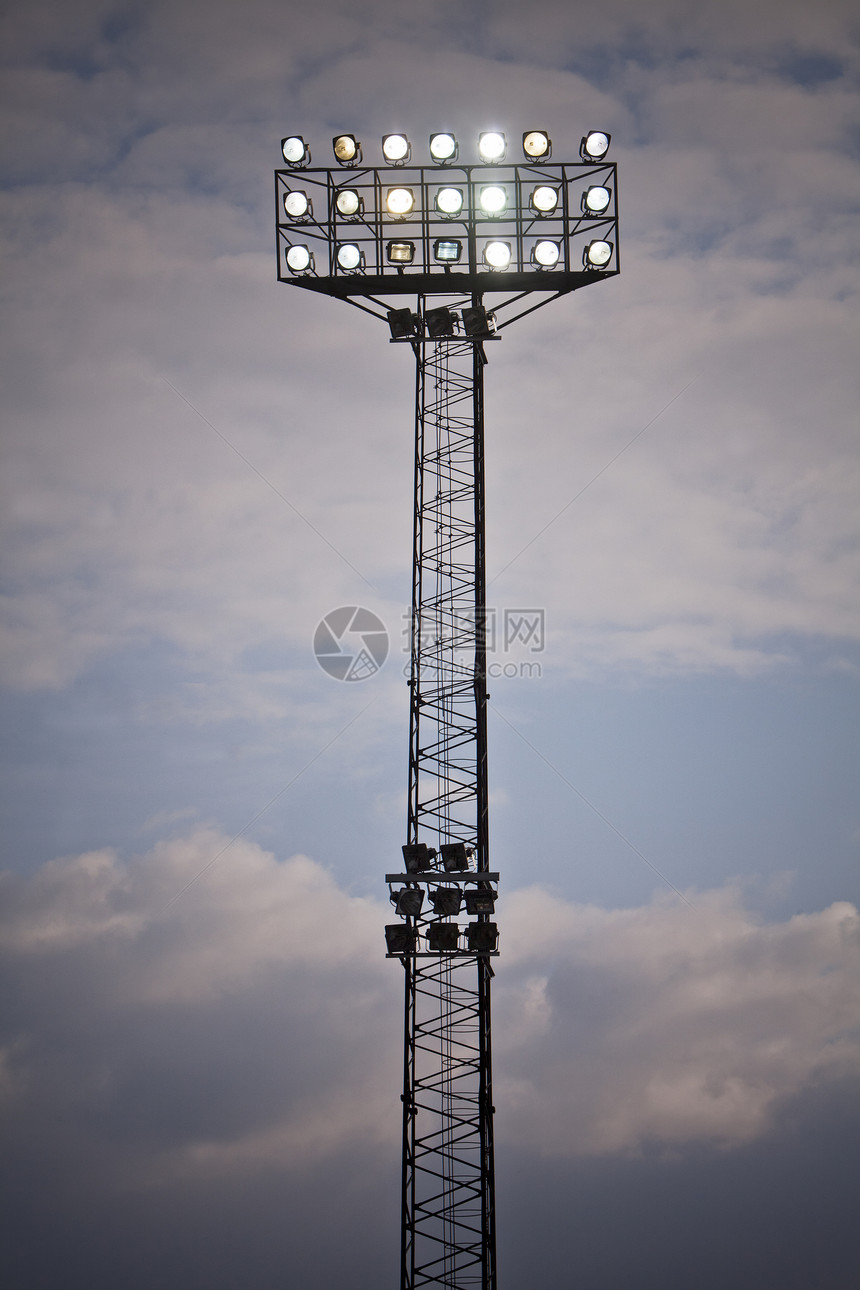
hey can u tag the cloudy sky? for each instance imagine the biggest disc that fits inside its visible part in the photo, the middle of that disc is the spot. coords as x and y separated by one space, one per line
200 1056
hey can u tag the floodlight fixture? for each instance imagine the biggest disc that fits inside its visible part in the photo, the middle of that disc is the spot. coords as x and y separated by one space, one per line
408 901
537 145
417 856
400 202
492 146
443 147
594 145
596 199
455 856
403 324
597 255
400 252
350 257
396 149
439 323
447 251
546 254
446 901
493 199
296 151
483 937
449 201
349 203
544 199
400 938
346 149
443 936
477 322
297 205
481 900
497 255
299 259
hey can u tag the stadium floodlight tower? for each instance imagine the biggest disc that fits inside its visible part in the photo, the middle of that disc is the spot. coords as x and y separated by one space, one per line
449 233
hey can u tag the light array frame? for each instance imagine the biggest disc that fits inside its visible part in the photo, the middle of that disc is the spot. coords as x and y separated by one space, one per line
373 228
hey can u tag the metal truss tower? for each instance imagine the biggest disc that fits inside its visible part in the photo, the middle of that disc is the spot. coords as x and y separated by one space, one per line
447 234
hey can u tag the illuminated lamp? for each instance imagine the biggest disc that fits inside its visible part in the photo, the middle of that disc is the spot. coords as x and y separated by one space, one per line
537 145
481 901
449 201
296 151
299 259
483 937
493 199
439 323
447 250
400 252
346 149
417 856
348 203
546 254
497 255
443 147
596 199
446 901
597 255
349 257
396 148
594 145
297 205
400 938
403 324
544 199
400 202
408 901
443 936
455 856
477 322
492 146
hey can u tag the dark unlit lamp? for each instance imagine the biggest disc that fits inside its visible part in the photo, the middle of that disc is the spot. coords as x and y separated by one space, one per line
400 938
440 323
443 147
477 322
446 901
346 149
396 149
408 901
481 900
594 145
443 936
417 856
483 937
402 323
455 856
296 151
537 145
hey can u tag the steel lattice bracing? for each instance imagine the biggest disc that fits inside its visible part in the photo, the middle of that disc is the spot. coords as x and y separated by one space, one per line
448 1179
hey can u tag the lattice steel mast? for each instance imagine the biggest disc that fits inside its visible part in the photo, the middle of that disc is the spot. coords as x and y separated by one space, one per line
447 233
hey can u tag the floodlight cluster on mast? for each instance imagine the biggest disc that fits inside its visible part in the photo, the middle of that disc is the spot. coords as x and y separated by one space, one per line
448 232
